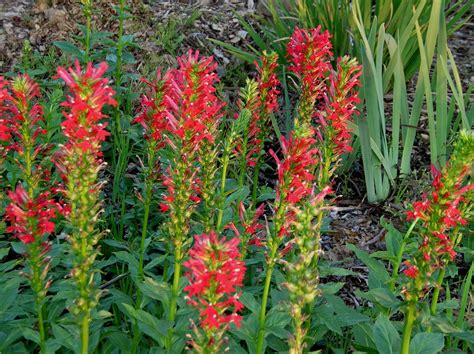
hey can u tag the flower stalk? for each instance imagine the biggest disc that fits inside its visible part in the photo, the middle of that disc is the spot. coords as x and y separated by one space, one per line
442 214
80 162
408 327
31 211
214 272
189 120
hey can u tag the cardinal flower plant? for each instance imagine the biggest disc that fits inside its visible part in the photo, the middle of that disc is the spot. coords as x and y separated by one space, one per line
222 243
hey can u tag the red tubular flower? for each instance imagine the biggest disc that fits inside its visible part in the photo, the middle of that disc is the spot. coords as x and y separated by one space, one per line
309 52
214 272
190 116
90 93
30 219
20 115
411 271
192 102
5 98
442 213
80 163
252 226
341 99
295 176
419 209
262 106
154 109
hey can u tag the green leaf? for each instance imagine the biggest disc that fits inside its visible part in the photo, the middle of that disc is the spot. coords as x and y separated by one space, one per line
132 262
363 336
120 340
19 247
325 271
156 261
331 288
149 324
249 302
393 238
8 293
378 274
69 48
4 252
387 339
156 290
427 343
380 296
248 330
276 321
326 317
65 337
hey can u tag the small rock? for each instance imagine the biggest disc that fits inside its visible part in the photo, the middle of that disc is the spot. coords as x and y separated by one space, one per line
216 27
235 39
242 34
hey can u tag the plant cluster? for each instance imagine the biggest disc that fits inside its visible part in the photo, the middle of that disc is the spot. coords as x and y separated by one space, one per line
393 40
148 225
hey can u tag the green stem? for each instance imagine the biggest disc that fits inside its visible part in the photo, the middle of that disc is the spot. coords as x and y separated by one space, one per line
408 327
37 285
398 261
136 331
243 160
222 195
174 294
439 282
434 300
263 309
256 172
41 329
85 334
144 230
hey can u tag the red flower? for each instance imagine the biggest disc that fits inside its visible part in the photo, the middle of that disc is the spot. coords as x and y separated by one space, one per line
442 215
341 99
89 94
411 271
30 219
20 115
419 210
154 114
251 224
5 98
183 111
309 52
295 176
214 272
262 106
194 107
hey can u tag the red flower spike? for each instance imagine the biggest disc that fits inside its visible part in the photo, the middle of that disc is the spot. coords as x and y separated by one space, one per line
252 227
309 52
183 110
5 99
154 115
341 100
89 94
214 272
442 213
79 163
30 219
262 106
295 177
